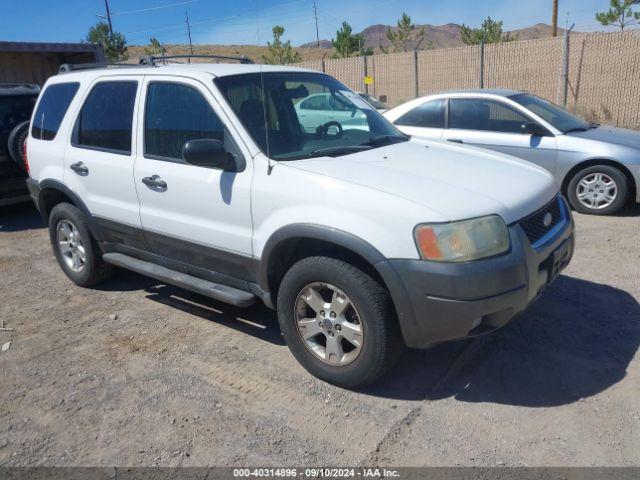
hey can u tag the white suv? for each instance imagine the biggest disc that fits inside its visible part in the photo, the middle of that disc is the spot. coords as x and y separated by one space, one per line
365 241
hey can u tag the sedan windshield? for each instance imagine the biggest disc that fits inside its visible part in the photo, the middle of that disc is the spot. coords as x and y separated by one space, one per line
294 115
556 116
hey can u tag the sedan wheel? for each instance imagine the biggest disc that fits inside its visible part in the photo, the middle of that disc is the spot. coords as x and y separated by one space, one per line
596 190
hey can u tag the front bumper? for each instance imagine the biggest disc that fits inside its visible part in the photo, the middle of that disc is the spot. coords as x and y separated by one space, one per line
436 302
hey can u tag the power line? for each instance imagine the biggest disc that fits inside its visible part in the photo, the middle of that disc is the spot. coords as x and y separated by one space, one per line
141 10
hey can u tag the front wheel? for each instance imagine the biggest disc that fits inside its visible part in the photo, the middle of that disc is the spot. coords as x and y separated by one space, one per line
598 190
338 322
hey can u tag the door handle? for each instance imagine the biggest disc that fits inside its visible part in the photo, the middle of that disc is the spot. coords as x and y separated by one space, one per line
80 168
454 140
155 182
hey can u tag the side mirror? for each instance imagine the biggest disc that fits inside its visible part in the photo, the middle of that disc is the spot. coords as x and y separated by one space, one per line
533 128
209 152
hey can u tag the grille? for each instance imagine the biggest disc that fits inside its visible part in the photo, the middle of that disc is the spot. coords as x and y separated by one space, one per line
534 226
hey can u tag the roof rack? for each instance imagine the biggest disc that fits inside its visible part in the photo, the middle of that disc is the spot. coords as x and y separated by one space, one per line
151 60
70 67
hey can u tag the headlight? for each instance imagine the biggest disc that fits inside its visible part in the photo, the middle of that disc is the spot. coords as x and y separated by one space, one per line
464 240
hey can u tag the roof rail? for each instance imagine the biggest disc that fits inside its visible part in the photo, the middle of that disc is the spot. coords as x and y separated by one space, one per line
70 67
153 60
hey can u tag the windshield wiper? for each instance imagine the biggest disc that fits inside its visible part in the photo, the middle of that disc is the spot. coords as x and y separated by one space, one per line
337 150
380 140
594 125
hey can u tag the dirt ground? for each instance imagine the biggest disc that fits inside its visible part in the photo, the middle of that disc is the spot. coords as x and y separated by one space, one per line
138 374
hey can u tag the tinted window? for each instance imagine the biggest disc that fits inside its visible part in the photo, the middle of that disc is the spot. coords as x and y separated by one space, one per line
482 114
51 110
428 115
106 117
175 114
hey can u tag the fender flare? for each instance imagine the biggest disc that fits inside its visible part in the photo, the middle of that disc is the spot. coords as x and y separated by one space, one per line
380 263
51 184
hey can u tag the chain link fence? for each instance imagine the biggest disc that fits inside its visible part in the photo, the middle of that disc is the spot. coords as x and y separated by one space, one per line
596 75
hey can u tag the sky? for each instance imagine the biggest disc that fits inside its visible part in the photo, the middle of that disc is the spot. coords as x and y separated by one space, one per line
250 21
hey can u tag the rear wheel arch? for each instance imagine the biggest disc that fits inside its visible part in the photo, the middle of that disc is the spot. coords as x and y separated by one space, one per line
52 193
599 161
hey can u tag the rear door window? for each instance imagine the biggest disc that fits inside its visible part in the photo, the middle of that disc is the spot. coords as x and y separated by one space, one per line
427 115
51 110
105 121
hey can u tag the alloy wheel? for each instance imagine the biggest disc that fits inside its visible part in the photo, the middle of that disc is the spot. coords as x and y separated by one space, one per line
329 324
71 246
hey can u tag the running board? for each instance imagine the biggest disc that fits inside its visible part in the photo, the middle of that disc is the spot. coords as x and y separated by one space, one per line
217 291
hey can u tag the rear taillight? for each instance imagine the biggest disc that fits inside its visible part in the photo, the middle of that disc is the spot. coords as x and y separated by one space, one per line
24 156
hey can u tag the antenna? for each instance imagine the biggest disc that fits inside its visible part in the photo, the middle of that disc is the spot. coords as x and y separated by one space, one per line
315 14
189 32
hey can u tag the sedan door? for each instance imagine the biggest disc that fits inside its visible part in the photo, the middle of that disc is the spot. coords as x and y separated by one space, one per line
492 124
424 121
197 215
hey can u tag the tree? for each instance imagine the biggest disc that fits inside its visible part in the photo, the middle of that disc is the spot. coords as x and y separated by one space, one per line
155 48
402 37
489 32
115 46
620 14
345 42
280 53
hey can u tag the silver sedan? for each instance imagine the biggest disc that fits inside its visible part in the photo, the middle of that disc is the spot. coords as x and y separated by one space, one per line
597 167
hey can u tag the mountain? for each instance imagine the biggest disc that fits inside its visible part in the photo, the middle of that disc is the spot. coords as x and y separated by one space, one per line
438 36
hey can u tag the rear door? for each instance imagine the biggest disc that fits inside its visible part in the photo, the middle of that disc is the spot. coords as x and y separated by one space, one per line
496 125
424 121
201 216
99 160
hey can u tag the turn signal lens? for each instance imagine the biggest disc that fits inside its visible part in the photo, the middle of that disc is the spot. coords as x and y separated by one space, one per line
464 240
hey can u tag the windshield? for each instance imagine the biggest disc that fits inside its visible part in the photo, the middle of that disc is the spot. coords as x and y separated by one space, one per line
374 102
556 116
303 115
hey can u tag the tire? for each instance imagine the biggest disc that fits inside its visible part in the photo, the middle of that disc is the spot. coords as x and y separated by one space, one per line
598 177
16 143
381 342
93 269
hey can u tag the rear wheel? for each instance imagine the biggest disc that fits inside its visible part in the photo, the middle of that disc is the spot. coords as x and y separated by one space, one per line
338 322
75 248
598 190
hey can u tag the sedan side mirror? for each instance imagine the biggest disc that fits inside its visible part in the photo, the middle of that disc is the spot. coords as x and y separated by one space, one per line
209 152
533 128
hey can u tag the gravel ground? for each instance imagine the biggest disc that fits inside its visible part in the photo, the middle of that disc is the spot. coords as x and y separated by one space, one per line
138 374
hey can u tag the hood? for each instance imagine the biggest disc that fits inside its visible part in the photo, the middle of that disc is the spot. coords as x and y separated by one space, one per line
457 182
615 135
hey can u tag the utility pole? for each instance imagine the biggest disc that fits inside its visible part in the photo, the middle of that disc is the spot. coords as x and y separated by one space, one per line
554 19
106 4
189 32
315 14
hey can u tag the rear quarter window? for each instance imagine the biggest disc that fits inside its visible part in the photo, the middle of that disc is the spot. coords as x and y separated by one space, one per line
51 110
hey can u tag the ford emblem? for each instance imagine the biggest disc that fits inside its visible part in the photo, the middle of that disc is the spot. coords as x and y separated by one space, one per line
547 219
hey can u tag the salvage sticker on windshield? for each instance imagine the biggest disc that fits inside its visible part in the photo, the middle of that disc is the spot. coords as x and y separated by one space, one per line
356 100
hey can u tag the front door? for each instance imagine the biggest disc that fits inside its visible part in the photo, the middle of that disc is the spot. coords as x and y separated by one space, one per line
495 125
194 214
